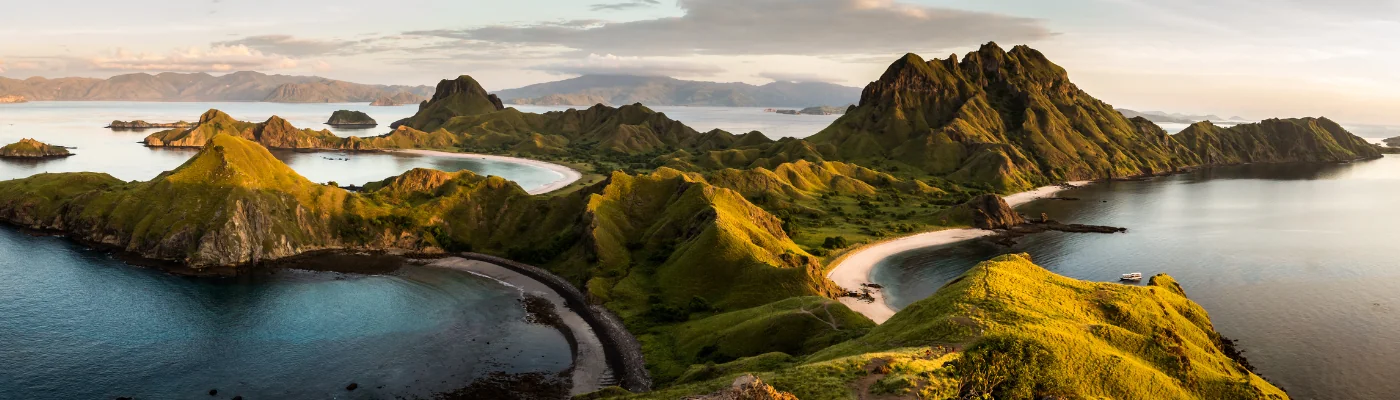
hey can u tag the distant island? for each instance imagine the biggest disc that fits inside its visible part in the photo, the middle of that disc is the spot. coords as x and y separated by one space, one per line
1393 142
1174 118
30 148
171 86
12 99
398 99
351 119
588 90
819 110
138 125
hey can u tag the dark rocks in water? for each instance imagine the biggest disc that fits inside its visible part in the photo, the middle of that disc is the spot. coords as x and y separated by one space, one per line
352 386
347 118
1008 236
990 211
213 392
237 397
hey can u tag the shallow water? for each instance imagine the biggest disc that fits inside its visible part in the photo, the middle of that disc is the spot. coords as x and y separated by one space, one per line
119 153
78 324
1294 261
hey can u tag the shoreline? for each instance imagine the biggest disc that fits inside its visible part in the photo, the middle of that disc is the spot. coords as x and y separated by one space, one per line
855 268
590 365
567 175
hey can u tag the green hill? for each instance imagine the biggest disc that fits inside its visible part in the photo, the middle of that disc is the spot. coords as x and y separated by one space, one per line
233 203
1276 140
1011 329
273 133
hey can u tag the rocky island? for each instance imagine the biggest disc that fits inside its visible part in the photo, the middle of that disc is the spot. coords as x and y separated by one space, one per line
139 125
30 148
13 99
351 119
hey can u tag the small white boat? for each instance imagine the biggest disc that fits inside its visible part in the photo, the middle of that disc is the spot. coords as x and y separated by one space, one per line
1136 276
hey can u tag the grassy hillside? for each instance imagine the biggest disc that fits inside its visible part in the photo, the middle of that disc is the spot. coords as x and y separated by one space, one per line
1011 329
1276 140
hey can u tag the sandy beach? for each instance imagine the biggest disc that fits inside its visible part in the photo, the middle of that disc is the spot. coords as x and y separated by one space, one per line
567 176
855 268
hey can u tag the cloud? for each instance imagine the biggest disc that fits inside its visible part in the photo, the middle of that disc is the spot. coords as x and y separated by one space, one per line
625 5
289 45
213 59
782 76
613 65
774 27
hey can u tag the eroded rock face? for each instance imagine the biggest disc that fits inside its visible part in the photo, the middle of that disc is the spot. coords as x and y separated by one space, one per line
13 99
747 387
990 211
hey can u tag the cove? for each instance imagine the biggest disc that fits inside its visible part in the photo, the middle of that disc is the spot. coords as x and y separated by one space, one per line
1293 261
80 324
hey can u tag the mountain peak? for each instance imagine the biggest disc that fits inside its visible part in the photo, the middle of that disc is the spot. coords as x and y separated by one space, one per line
229 160
214 115
454 98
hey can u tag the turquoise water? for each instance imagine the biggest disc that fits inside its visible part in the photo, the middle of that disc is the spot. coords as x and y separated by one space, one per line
1297 262
119 153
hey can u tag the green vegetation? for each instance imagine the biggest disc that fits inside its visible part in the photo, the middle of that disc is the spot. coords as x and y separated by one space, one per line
1276 140
274 133
1011 329
350 118
30 148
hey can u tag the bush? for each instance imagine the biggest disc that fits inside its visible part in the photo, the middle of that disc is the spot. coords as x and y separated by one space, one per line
835 242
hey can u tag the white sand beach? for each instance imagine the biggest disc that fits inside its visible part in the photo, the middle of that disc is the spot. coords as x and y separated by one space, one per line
855 268
567 176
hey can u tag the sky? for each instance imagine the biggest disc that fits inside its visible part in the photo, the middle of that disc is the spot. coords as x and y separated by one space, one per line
1257 59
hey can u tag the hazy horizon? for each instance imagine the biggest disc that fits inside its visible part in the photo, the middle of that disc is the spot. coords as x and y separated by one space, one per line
1289 59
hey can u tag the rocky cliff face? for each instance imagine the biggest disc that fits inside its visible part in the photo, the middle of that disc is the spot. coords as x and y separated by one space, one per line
30 148
990 211
12 99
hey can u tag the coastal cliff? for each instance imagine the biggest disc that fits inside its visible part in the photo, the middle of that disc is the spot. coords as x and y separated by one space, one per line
30 148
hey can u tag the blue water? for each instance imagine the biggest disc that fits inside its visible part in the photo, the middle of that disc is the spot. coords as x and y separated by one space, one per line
77 324
1297 262
120 153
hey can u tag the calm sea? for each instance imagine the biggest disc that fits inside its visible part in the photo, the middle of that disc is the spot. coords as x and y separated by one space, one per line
1297 262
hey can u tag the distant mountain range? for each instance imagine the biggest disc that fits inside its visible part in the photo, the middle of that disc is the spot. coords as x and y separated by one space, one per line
588 90
170 86
1174 118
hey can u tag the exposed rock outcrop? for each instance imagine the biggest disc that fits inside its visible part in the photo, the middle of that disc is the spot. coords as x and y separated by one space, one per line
30 148
13 99
990 211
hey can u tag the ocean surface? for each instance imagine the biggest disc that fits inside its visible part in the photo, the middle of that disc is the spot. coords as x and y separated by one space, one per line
78 324
1297 262
120 153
